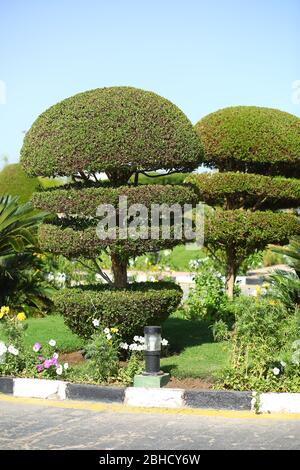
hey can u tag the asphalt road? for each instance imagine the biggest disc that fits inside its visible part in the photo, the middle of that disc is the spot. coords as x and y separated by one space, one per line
28 424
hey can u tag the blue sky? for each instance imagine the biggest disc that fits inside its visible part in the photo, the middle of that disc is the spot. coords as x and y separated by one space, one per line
202 55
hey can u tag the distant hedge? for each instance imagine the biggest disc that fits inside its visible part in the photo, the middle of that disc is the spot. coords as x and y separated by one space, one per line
130 309
246 190
84 201
252 139
14 181
118 130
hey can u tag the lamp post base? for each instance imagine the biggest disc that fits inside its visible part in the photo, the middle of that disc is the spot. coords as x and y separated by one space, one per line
151 381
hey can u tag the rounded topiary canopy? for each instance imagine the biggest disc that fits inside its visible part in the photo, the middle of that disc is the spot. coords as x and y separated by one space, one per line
249 138
118 130
14 181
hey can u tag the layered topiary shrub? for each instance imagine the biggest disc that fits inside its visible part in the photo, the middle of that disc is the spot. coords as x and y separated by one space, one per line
249 146
124 132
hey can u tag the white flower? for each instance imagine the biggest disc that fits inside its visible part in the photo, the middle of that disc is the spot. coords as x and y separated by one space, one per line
66 365
59 370
108 336
96 322
55 355
124 345
140 347
3 348
136 338
133 347
106 331
164 342
52 342
276 371
12 350
283 363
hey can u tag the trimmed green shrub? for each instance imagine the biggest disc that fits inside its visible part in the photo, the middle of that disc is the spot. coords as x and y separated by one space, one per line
118 130
123 132
84 201
129 309
252 139
15 182
246 190
72 242
242 232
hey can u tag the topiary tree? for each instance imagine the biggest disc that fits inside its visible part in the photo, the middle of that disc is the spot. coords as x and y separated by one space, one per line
251 141
15 182
123 132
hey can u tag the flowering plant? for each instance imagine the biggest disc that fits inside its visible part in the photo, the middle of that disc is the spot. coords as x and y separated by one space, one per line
46 360
102 350
12 352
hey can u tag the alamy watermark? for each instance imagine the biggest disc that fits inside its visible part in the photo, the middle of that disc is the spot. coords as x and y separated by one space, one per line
2 92
296 92
159 222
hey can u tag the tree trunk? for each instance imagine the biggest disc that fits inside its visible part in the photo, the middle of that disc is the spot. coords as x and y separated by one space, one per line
119 269
230 278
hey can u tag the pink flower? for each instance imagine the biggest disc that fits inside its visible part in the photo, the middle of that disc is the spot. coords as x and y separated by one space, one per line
54 361
37 347
47 363
39 367
41 358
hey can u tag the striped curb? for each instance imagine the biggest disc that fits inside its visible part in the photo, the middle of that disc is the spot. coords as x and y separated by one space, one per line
152 397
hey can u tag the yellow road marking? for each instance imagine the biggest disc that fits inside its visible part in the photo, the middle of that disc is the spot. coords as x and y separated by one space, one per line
103 407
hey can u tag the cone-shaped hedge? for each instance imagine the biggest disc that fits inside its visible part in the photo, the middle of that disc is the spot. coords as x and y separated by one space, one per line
124 132
257 143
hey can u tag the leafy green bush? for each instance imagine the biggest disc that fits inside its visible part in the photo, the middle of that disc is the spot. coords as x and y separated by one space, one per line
284 287
118 130
262 347
129 309
253 140
208 300
246 190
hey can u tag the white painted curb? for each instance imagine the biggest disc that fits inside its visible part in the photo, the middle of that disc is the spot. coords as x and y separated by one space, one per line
40 388
154 397
279 402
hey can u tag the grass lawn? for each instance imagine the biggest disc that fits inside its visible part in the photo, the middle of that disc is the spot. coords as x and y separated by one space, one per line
194 354
43 329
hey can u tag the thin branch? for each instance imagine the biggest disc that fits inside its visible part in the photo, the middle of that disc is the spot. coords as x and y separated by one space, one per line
157 176
99 270
136 178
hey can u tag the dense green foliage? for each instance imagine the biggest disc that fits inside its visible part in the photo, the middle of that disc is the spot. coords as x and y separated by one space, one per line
291 252
246 190
15 182
265 347
252 139
84 201
284 287
208 300
118 130
242 231
129 309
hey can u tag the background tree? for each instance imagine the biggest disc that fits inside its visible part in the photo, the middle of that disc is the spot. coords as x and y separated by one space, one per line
124 132
250 147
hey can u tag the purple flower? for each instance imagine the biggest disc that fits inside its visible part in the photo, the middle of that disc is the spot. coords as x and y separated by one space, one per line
54 361
37 347
41 358
39 367
47 363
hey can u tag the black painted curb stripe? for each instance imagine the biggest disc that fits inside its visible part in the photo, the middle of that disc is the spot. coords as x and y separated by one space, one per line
7 385
95 393
218 399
